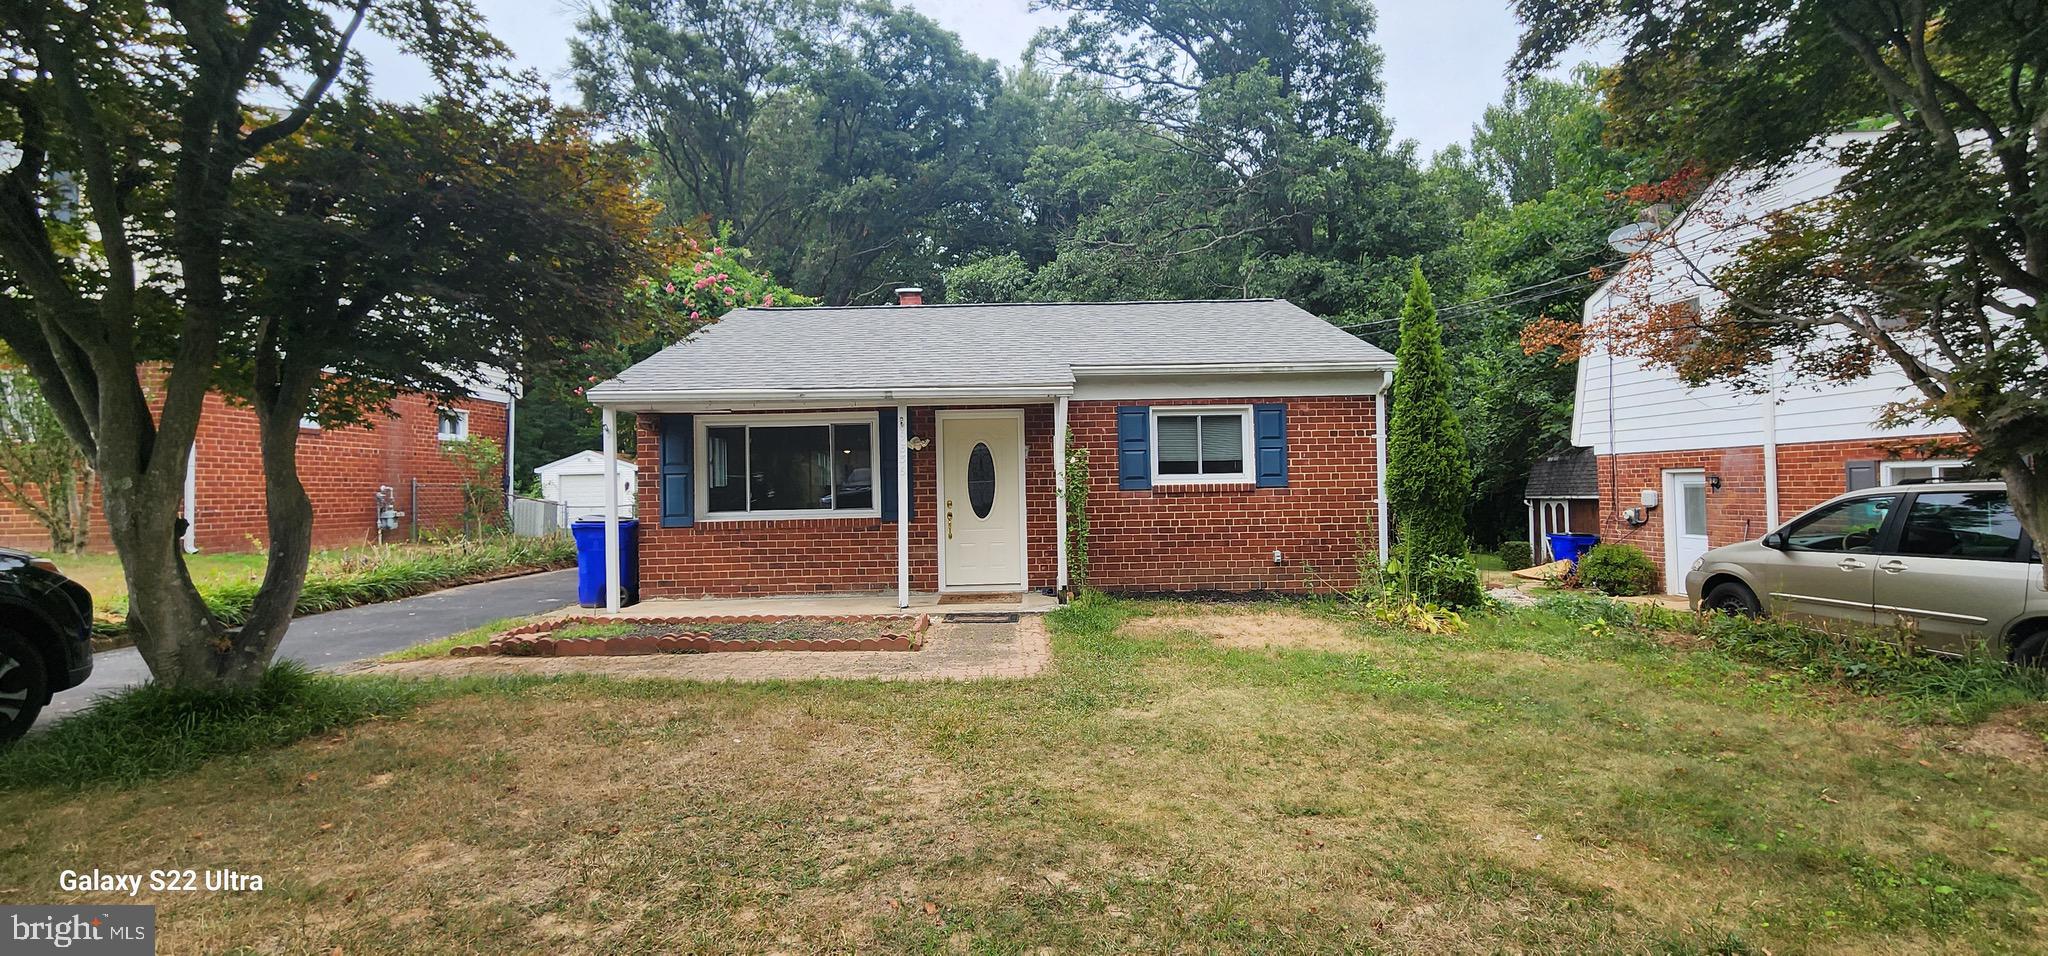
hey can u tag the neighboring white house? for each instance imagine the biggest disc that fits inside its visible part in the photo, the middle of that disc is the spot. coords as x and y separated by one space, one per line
1683 469
578 483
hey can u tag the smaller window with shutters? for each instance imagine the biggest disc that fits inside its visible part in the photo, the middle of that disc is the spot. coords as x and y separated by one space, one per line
1205 444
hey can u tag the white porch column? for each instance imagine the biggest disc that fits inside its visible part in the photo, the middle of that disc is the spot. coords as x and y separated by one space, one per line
1059 481
1379 457
902 506
611 511
1535 546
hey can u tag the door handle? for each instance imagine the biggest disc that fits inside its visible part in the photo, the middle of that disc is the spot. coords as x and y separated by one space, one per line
1851 564
949 519
1893 566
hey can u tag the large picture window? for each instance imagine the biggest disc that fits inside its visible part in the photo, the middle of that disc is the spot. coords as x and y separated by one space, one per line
769 467
1201 444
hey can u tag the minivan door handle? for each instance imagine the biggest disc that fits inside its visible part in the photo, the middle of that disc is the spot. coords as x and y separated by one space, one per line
1893 566
1851 564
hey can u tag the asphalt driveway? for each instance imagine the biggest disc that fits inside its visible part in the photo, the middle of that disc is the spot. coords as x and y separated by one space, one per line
338 638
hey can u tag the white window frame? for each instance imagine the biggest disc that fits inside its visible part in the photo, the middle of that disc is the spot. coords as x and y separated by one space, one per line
704 423
461 432
1888 470
1248 450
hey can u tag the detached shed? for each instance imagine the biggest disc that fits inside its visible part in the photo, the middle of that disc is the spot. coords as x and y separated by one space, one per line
1563 496
578 483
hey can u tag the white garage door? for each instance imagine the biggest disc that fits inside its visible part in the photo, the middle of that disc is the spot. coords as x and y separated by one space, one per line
584 495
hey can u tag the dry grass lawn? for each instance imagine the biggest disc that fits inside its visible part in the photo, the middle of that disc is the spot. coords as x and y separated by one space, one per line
1184 779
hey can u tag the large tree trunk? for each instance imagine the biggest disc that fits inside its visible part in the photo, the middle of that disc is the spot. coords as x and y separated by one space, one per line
2028 490
173 628
289 519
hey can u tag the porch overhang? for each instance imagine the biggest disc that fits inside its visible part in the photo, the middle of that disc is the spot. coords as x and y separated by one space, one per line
679 400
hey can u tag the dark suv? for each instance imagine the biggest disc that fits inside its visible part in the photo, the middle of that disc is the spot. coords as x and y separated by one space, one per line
45 638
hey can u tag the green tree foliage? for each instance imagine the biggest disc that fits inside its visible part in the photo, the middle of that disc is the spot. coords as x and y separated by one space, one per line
707 277
41 472
1532 250
853 144
262 225
1428 477
1931 258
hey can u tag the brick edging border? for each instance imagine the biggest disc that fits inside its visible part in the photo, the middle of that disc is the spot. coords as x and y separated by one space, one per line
530 640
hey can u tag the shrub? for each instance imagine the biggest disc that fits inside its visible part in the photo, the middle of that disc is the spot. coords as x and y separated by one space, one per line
394 573
152 731
1618 569
1446 582
1429 476
1515 555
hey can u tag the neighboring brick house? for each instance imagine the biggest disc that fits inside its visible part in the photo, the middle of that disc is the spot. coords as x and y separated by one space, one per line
1232 446
1681 469
342 469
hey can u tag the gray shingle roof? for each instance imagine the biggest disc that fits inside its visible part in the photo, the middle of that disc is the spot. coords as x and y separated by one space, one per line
1566 473
995 346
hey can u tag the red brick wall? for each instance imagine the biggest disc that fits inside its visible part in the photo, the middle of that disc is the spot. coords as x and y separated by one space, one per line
1167 539
1222 538
1808 474
831 554
341 468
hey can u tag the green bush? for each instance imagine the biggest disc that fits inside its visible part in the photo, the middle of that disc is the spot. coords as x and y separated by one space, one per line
1618 569
1515 555
151 731
1429 476
1446 582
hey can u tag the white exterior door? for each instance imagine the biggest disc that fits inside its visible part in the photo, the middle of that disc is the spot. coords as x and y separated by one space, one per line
981 500
1685 525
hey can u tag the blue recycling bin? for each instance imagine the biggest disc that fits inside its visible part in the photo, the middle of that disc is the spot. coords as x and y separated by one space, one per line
1563 547
589 533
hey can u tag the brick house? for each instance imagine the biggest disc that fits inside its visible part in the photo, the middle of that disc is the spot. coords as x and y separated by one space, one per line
1232 446
1681 470
342 469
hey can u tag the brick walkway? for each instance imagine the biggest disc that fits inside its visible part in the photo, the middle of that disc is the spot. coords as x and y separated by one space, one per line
951 652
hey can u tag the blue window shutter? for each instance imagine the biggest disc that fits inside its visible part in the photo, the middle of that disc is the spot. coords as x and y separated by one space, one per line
885 440
678 483
1134 448
1269 435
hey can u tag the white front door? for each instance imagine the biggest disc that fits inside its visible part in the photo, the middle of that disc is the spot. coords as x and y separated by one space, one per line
981 500
1685 525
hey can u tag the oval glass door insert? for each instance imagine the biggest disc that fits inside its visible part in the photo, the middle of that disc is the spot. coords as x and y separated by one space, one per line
981 480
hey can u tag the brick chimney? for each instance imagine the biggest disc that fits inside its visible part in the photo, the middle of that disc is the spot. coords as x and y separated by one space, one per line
910 295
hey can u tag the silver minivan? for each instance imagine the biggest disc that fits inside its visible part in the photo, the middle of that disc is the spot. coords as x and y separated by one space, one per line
1947 560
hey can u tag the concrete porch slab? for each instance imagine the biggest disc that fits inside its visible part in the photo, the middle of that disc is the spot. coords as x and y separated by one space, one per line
814 605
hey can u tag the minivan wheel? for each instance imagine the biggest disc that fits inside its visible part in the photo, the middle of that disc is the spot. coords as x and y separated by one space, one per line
2030 647
1731 597
24 686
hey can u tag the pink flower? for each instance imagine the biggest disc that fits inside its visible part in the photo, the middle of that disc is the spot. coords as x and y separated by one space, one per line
579 389
694 316
698 268
718 250
668 287
768 300
728 290
705 283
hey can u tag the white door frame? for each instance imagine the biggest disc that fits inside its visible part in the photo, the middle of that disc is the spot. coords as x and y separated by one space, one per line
1674 573
944 415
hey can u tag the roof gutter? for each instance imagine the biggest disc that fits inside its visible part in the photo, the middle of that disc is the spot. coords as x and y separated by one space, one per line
673 396
1233 368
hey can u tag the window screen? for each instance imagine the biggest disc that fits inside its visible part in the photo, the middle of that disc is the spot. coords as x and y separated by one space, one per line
1201 444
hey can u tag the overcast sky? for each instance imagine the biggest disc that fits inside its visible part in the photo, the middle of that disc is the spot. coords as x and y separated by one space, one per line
1444 58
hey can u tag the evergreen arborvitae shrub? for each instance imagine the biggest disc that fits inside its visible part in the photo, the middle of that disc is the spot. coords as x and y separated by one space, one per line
1515 555
1428 476
1619 569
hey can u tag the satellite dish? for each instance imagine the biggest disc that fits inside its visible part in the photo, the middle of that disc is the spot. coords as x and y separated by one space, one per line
1632 238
